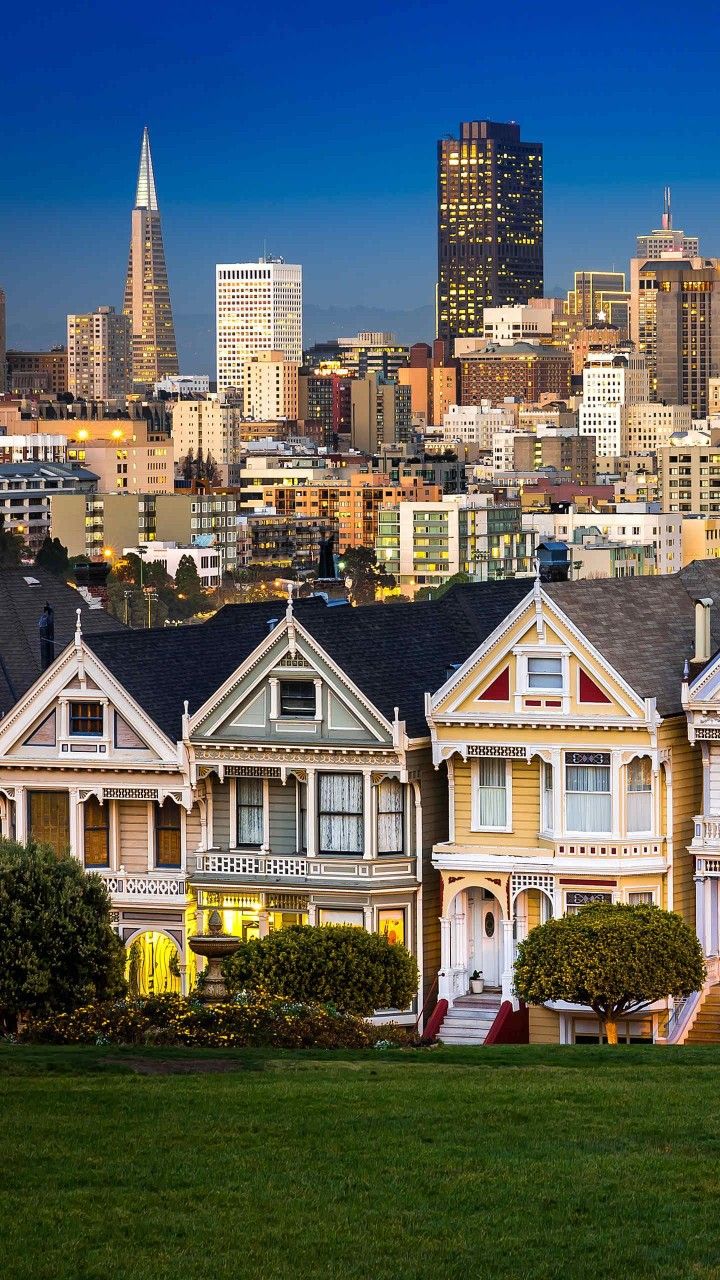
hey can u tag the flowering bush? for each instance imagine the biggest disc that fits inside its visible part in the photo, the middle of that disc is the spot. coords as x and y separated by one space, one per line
257 1021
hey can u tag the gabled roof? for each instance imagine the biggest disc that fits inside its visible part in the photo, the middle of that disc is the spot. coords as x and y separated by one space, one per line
393 653
23 594
645 627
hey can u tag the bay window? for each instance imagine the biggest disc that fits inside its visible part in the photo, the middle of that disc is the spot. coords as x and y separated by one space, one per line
639 795
250 824
390 816
588 802
340 812
490 795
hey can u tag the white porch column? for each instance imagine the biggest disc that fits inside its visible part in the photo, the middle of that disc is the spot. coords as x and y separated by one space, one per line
266 815
77 825
368 816
21 815
700 911
368 919
311 813
444 980
459 952
507 945
707 914
263 923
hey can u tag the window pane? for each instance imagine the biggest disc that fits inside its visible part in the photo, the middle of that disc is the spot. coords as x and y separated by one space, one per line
588 801
297 698
49 819
390 816
492 793
340 812
167 834
391 924
545 673
250 823
86 719
547 797
639 811
97 833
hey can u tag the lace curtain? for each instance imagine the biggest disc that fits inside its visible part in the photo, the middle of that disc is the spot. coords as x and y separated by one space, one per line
639 795
340 799
587 798
250 811
491 793
390 816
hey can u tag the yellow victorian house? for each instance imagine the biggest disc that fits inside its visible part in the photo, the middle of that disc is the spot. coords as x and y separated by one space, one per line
571 780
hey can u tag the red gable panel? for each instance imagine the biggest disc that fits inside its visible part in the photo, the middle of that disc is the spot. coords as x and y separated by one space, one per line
499 690
589 691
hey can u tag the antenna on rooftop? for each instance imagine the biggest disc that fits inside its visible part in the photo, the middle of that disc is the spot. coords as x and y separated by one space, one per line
667 211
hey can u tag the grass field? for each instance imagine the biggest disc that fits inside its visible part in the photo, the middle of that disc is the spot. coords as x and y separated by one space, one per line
507 1162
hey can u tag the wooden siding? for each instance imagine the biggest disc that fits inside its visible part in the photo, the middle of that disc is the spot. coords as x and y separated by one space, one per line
193 829
544 1025
525 806
221 814
283 817
434 795
133 833
687 801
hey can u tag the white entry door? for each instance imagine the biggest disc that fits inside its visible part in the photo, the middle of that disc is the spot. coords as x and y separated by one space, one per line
488 939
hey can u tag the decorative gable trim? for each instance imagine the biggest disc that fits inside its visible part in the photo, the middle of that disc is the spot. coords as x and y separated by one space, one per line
628 699
498 690
589 691
291 630
45 735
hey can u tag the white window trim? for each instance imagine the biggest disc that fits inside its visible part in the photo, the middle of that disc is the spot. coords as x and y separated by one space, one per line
522 683
614 792
474 804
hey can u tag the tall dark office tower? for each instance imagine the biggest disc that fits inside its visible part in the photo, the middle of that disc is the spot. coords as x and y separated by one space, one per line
490 224
147 293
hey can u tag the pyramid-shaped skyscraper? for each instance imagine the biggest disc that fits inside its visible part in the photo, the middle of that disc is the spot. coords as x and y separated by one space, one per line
147 293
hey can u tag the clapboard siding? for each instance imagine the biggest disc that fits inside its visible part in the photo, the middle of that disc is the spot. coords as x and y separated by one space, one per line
434 797
283 817
686 764
193 829
133 834
544 1025
525 805
221 815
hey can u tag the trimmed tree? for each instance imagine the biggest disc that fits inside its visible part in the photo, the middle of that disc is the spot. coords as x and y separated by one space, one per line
58 949
615 958
334 964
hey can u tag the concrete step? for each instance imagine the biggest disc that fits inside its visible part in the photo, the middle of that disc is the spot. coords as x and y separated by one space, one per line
468 1023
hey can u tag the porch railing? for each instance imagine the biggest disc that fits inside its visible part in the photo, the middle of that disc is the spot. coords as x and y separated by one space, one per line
280 866
149 886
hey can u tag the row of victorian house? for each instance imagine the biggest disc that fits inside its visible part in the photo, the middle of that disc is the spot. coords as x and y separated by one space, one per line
448 774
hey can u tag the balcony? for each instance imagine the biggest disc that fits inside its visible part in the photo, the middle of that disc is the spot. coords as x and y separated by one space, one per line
151 888
229 866
706 834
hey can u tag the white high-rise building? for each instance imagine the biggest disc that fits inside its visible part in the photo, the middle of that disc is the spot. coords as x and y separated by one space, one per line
258 309
612 381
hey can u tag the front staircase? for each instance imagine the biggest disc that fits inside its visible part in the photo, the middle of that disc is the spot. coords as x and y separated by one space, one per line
705 1027
469 1018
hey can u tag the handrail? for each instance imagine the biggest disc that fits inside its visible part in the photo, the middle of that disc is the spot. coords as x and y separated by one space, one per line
427 1000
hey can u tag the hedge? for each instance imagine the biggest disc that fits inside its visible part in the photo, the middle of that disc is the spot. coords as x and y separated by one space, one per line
245 1022
357 971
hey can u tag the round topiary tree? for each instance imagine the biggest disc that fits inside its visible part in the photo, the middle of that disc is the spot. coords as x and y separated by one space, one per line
615 958
57 946
335 964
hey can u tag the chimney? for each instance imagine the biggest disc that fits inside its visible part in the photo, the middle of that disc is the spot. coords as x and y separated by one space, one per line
702 629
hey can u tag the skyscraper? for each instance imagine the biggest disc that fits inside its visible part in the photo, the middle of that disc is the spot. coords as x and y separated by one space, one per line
258 308
490 224
665 239
147 294
99 355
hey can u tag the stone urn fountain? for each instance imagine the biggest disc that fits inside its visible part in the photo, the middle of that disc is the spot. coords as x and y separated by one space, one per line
215 946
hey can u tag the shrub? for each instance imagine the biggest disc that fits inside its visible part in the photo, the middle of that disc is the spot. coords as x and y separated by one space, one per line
57 946
259 1022
355 970
613 957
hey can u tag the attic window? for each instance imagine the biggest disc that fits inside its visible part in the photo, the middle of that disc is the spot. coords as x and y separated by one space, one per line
297 698
545 673
86 719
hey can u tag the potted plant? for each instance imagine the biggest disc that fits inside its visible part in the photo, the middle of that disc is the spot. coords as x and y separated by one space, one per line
476 983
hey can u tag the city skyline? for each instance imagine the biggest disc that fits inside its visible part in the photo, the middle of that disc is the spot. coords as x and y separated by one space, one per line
360 218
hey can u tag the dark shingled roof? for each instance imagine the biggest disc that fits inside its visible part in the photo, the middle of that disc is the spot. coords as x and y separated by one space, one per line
394 653
23 593
645 627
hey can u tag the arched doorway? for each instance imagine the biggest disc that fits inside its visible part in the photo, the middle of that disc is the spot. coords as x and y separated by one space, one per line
531 907
153 965
475 937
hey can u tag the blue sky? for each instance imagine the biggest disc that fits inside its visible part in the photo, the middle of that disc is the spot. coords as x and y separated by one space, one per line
313 131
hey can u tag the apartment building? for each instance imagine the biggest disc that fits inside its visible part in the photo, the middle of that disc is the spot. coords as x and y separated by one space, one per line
352 503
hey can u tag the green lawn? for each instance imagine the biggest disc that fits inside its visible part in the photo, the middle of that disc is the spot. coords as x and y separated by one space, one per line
508 1162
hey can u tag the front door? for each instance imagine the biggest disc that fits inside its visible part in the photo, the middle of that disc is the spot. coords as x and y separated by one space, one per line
488 938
